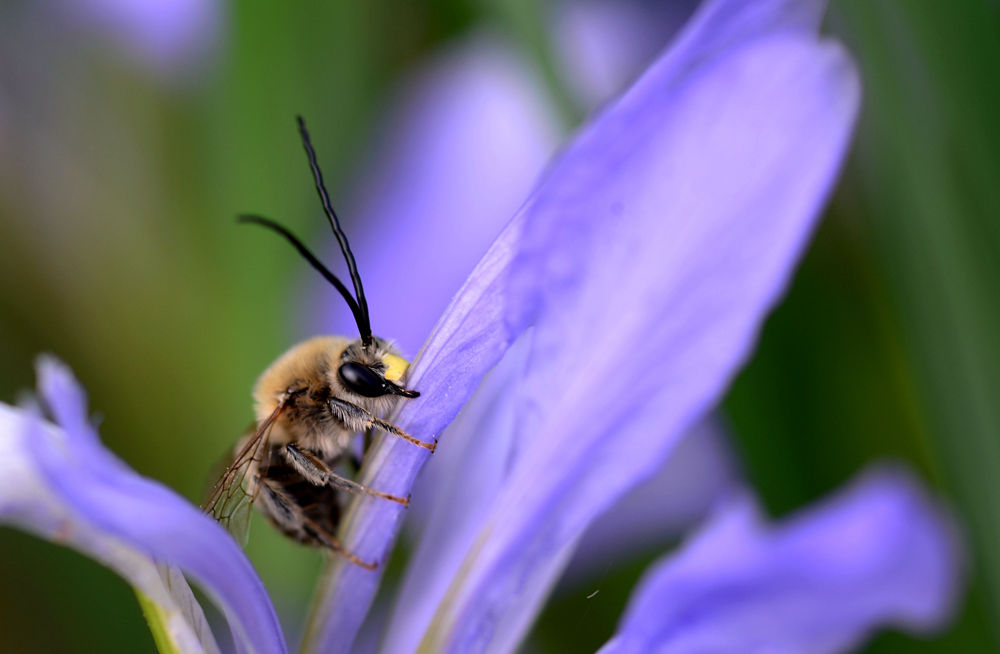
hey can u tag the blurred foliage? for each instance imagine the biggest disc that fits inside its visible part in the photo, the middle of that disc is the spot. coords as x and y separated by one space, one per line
118 187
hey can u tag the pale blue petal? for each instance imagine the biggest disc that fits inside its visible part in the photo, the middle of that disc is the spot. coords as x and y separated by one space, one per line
671 222
460 149
466 476
471 336
468 341
27 503
879 553
604 44
473 468
148 517
648 260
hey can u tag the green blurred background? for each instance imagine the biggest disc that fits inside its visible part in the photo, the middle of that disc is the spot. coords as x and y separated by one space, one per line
120 174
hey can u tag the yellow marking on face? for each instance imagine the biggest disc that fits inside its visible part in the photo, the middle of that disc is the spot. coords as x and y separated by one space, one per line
395 367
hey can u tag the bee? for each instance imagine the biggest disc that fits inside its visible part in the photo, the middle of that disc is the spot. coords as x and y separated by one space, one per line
310 405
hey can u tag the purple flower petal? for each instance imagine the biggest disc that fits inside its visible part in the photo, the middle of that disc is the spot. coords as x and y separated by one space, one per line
103 493
880 552
647 261
27 503
480 446
472 468
469 136
470 338
656 244
466 343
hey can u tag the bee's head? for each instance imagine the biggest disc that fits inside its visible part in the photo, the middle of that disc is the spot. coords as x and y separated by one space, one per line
369 367
373 369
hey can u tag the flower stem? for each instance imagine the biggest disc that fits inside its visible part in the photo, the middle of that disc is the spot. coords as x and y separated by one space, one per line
157 619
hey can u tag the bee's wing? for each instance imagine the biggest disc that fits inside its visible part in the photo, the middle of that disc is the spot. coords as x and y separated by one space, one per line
231 498
236 514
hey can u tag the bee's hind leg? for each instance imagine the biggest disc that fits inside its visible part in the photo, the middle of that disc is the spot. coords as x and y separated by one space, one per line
316 472
282 510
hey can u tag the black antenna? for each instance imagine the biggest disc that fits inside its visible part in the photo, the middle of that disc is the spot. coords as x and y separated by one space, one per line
364 322
308 256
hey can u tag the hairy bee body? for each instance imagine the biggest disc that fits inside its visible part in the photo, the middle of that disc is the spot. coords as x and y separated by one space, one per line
305 512
289 488
309 405
308 375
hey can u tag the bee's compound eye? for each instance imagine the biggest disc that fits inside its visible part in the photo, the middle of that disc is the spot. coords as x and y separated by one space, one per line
362 380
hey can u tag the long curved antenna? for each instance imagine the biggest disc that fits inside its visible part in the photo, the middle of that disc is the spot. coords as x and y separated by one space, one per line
313 261
365 328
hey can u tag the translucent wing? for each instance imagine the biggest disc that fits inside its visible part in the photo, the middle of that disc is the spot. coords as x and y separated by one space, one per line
231 499
235 513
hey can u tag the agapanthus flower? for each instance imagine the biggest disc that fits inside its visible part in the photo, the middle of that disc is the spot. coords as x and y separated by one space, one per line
602 324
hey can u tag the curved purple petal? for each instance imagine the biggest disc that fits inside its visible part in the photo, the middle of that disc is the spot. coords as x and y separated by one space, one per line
880 552
481 444
468 341
455 172
465 141
472 469
152 519
664 235
469 138
27 503
465 344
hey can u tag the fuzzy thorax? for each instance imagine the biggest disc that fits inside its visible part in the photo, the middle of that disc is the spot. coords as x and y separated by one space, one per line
309 373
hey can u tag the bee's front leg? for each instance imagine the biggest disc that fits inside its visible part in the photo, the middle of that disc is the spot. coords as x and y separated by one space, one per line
358 419
316 472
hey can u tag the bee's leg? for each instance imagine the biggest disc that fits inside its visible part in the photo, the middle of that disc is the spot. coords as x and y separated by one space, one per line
357 419
307 464
316 472
288 516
